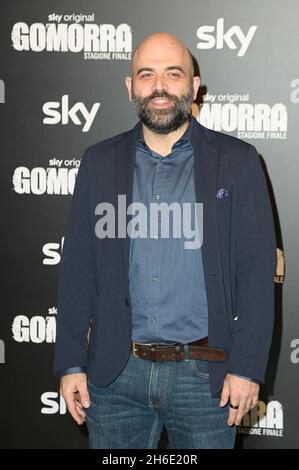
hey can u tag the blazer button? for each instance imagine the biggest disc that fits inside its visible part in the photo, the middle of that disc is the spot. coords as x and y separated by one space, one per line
127 301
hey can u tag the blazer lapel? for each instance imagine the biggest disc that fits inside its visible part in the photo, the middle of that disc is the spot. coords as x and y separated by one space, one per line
124 160
206 162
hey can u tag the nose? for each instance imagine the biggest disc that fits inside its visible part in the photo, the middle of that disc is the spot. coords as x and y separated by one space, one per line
160 84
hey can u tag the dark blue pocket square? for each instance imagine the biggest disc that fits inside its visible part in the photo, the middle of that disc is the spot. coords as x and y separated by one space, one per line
222 193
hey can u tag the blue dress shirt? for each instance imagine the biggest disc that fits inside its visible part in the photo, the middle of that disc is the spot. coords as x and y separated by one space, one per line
166 280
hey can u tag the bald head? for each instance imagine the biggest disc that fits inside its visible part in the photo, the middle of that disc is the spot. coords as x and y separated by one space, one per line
162 85
160 46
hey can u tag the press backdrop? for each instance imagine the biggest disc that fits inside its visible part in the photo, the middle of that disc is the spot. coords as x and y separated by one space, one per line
62 89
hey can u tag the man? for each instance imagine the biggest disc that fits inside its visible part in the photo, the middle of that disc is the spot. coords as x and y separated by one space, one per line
179 337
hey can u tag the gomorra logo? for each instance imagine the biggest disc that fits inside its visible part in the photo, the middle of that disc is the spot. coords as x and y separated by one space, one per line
114 42
263 420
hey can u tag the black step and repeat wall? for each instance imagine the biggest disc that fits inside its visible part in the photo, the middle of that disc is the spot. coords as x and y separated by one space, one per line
62 88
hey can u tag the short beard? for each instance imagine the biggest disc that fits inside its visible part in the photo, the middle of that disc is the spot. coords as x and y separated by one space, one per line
164 121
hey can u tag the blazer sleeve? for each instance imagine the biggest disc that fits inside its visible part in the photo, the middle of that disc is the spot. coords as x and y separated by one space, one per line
76 280
256 266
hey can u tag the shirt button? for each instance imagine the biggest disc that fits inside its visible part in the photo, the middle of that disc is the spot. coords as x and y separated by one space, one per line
156 237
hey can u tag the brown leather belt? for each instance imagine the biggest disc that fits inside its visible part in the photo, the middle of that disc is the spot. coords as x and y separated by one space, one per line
162 352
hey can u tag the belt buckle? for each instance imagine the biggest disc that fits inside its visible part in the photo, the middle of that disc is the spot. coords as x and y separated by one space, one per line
134 349
152 346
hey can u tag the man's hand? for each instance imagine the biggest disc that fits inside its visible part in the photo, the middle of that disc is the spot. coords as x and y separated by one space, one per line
241 392
73 388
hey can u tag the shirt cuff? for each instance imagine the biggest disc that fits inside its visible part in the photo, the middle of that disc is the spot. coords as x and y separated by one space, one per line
242 377
246 378
71 370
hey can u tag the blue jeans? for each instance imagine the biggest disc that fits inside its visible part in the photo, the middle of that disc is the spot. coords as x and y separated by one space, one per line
130 412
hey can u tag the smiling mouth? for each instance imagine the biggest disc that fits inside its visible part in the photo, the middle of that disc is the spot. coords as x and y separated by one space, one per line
161 102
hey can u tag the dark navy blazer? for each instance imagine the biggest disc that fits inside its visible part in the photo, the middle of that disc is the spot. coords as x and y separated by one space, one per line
239 259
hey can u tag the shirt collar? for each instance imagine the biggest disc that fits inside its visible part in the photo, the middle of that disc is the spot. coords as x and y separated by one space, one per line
181 144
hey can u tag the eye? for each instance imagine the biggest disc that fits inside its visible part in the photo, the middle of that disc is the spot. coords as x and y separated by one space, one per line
146 75
174 74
